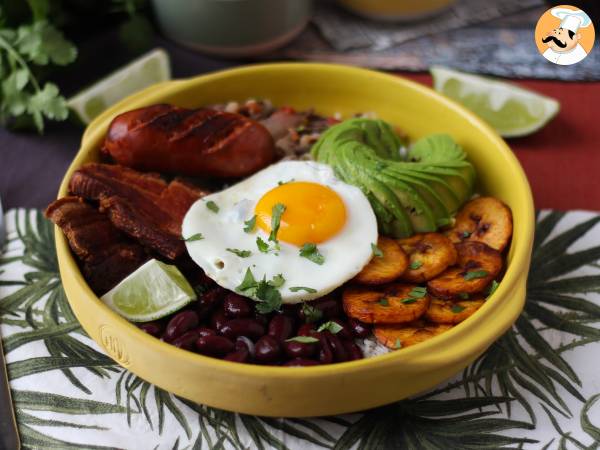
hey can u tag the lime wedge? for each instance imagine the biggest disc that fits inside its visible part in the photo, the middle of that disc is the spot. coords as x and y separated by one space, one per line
148 69
153 291
511 110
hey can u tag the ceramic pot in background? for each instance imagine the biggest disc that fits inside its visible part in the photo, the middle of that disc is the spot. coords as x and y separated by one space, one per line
396 10
232 28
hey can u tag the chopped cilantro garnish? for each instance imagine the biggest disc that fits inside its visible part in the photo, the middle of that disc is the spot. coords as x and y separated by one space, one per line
250 224
397 344
311 313
464 295
384 302
414 265
331 326
248 284
240 253
493 287
262 245
376 251
303 339
277 281
264 291
193 237
408 301
457 309
418 292
466 234
311 252
302 288
281 183
269 296
276 214
475 274
212 206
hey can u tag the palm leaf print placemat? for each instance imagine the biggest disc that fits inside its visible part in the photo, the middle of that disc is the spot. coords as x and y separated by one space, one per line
537 387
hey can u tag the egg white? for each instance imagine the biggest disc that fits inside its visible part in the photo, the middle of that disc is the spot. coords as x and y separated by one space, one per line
345 254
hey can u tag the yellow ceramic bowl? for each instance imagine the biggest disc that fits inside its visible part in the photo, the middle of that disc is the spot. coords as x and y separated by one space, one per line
335 388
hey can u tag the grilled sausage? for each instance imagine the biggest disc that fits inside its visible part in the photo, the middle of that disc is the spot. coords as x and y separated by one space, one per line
195 142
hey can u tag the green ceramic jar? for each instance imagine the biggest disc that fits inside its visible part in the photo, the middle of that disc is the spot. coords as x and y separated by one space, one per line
232 28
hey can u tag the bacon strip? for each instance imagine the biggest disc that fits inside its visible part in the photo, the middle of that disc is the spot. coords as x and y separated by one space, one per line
107 256
141 205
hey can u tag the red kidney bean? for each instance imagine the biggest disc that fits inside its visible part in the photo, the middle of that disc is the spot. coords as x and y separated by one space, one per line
243 341
345 332
296 349
359 329
306 329
218 319
325 351
236 306
209 301
281 327
180 323
353 350
214 345
205 331
337 348
261 318
290 310
242 327
301 362
186 340
153 328
240 354
267 349
329 306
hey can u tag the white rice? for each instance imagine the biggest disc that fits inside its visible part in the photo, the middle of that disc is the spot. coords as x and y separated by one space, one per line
371 347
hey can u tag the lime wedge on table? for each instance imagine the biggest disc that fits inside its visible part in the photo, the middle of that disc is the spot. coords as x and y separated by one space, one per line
148 69
153 291
511 110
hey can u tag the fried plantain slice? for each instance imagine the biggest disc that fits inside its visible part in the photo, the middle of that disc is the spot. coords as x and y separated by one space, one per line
386 268
478 265
448 311
484 219
393 303
429 255
405 335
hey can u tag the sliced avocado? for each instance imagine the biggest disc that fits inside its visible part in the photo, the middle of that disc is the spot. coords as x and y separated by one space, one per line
417 194
427 193
420 214
439 185
402 226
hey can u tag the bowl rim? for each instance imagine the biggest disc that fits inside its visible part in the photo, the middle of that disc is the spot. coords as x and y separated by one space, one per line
513 277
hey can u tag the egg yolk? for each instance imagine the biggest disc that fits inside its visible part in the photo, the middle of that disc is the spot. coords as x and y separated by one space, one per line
313 213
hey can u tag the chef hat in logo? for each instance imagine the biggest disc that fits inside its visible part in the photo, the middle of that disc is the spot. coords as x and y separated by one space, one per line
571 19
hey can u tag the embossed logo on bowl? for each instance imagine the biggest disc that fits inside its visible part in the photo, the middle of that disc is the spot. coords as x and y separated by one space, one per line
113 346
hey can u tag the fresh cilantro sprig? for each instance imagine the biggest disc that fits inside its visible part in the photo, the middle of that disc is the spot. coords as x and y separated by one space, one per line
414 265
250 225
303 288
240 253
311 313
303 339
475 274
331 326
212 206
266 292
311 252
193 237
23 52
276 213
376 251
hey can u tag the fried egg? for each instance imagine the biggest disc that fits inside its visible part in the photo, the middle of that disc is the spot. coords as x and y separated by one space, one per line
226 231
